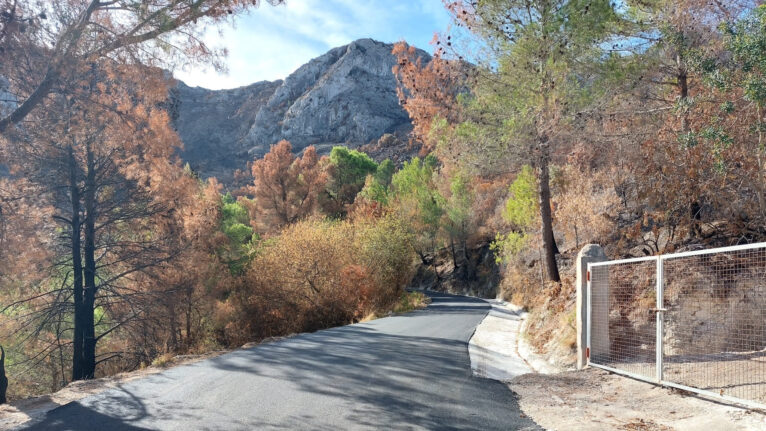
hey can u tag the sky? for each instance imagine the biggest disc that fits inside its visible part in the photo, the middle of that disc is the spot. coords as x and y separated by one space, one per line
270 42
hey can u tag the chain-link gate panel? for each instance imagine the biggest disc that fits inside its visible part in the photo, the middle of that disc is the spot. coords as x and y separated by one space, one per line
623 325
715 326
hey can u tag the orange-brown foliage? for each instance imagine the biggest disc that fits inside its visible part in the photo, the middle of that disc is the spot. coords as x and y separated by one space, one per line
427 90
285 186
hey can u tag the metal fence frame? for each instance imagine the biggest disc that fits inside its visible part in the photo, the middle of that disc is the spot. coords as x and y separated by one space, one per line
660 316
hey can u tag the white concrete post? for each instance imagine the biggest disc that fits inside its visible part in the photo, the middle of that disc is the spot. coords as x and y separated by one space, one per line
591 253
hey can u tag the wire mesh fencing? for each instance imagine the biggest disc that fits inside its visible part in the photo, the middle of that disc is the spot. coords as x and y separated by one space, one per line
624 331
715 326
706 316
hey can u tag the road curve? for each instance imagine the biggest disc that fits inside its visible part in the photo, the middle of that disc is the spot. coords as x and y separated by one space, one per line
404 372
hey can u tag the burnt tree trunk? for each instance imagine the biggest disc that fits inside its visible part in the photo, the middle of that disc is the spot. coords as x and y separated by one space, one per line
544 192
89 299
3 378
77 287
682 83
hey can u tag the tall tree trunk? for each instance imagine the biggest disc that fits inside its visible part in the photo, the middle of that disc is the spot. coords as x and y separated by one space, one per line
453 251
469 264
683 91
189 310
77 287
89 345
544 192
172 344
682 79
3 378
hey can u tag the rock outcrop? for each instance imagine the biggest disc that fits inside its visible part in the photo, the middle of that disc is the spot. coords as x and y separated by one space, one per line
478 276
213 125
344 97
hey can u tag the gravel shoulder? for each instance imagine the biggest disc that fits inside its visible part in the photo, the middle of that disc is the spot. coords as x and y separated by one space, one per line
590 399
593 399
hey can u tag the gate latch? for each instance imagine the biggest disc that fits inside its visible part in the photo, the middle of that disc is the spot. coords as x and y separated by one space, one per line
654 310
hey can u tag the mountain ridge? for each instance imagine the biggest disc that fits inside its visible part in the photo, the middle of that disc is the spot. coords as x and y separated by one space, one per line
346 96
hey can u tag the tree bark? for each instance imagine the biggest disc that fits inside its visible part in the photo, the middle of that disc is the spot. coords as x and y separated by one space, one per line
77 287
549 242
453 252
89 344
3 378
189 310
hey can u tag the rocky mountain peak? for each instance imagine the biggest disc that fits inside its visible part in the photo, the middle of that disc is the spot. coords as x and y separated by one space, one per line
346 96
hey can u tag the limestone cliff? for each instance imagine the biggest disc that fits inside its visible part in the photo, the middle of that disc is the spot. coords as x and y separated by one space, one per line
344 97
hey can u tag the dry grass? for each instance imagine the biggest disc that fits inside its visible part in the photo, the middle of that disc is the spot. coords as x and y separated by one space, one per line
410 301
163 360
370 316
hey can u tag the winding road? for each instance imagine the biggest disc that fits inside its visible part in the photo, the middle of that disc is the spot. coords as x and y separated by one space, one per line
404 372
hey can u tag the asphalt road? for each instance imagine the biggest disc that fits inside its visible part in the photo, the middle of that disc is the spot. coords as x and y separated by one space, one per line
404 372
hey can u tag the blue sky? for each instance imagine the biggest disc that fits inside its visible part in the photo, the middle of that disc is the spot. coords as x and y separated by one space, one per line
271 42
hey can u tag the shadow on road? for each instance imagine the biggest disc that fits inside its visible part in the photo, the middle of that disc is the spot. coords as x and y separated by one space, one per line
68 416
403 372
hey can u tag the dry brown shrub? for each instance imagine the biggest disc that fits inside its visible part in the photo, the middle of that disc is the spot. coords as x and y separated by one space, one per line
586 206
318 274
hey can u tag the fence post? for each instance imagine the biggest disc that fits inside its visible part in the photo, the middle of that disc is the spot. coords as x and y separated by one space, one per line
658 347
591 253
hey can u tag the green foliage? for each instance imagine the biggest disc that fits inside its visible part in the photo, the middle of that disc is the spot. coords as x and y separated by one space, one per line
376 186
351 166
228 199
374 191
348 172
746 39
385 173
547 63
745 69
521 208
507 246
235 224
414 184
459 206
419 202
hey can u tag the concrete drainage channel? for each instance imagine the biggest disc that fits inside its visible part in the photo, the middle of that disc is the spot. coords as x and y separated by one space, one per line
496 349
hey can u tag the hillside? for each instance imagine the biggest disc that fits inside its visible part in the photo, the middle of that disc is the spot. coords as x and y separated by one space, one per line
344 97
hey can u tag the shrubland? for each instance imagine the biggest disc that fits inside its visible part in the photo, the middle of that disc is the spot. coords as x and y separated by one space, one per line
316 274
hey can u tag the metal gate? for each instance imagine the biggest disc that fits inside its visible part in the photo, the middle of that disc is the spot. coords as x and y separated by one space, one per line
694 321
